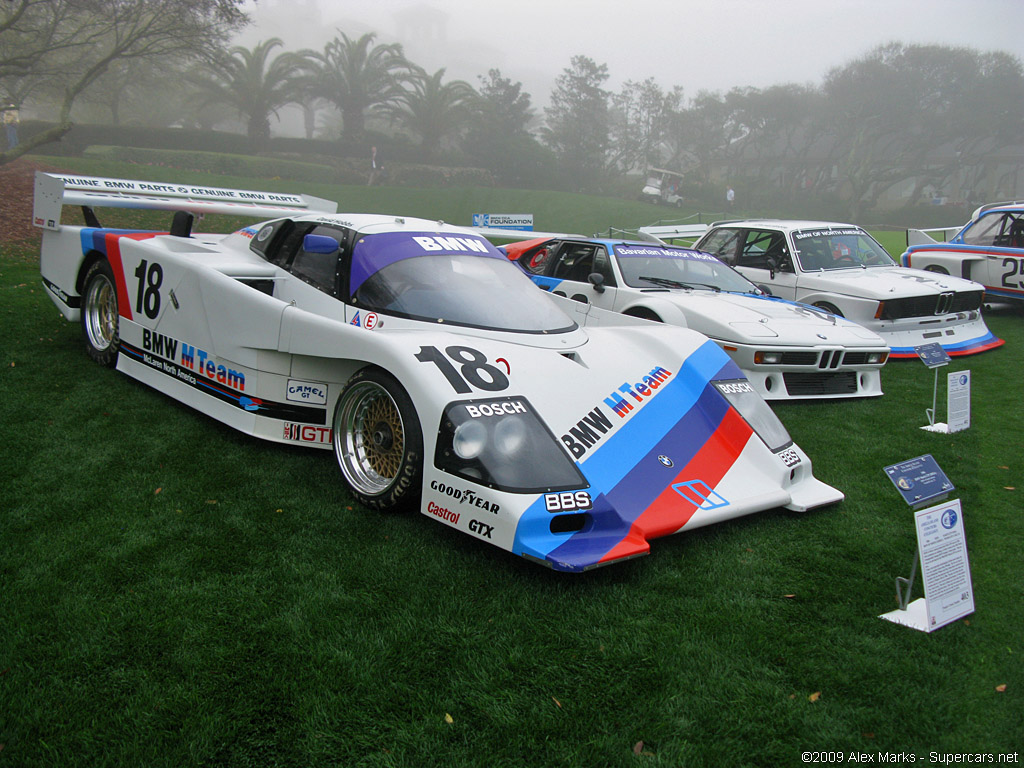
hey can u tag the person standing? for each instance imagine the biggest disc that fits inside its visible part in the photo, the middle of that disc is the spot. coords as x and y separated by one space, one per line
375 167
730 197
11 120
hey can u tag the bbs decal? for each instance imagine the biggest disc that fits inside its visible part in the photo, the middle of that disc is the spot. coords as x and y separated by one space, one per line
474 372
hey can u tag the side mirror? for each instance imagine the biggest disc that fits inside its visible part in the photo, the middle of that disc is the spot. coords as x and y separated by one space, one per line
765 290
319 244
597 280
773 264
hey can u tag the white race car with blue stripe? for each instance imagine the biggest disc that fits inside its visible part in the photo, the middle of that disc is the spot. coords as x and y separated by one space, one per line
787 351
988 249
439 376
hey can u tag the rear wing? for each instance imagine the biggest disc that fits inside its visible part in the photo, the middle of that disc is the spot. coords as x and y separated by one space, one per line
929 236
669 233
55 190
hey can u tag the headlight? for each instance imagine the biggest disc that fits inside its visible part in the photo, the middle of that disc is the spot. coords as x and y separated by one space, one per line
503 444
752 407
875 358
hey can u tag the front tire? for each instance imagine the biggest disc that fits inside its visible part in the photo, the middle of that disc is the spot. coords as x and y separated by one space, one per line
100 319
937 269
378 442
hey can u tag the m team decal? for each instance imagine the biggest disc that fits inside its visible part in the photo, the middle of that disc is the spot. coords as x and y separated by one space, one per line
592 427
201 370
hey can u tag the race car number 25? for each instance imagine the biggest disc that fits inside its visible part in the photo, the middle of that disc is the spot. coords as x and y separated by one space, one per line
474 371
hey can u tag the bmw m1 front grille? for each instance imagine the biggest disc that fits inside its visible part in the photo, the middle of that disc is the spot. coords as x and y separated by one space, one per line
807 384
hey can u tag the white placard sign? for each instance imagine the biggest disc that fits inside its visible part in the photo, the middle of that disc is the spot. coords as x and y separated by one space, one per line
958 401
946 574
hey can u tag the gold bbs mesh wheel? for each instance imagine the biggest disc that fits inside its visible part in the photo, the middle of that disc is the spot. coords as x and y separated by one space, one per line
377 440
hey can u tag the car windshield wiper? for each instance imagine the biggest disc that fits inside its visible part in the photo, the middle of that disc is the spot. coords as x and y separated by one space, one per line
666 282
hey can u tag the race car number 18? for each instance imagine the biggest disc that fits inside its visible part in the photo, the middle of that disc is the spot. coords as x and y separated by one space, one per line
147 297
475 370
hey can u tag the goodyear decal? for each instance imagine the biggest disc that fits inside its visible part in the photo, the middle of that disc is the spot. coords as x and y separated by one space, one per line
637 491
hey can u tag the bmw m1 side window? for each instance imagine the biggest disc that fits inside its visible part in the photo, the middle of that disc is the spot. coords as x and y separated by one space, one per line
722 243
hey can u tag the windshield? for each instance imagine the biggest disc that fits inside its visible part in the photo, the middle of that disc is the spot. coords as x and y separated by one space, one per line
655 266
839 248
435 284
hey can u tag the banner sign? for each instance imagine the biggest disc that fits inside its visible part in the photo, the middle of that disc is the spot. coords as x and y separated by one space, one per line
523 221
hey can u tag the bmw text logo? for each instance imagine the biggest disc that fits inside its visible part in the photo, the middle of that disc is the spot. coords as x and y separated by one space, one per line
665 460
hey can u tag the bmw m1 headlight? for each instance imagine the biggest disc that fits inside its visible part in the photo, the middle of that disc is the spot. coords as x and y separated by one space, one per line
752 407
503 444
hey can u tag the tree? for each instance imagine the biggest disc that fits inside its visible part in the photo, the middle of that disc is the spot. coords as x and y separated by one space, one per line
68 44
577 127
432 109
641 114
255 85
918 113
499 138
356 75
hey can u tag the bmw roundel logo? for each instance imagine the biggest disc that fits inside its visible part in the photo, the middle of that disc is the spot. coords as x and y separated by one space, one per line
821 336
665 460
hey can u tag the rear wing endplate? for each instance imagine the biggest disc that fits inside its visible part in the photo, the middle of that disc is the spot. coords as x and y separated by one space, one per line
55 190
668 233
928 236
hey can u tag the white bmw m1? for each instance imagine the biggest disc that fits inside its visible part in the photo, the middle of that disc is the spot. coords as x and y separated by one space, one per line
441 378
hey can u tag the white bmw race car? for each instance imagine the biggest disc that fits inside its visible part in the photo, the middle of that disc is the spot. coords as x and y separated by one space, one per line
989 249
787 351
441 378
842 269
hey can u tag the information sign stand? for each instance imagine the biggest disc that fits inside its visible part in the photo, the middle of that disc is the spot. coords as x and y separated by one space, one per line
935 357
941 549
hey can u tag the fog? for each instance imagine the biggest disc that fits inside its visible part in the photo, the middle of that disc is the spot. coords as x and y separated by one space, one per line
701 45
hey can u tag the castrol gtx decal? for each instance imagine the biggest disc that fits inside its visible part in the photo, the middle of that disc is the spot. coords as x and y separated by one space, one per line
648 478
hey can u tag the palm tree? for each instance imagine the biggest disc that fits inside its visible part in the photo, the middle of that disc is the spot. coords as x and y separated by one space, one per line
357 75
431 109
252 84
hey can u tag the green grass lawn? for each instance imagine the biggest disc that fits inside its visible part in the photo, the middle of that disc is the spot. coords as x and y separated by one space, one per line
174 593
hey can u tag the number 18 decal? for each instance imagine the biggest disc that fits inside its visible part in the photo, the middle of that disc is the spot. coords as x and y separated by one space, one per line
475 371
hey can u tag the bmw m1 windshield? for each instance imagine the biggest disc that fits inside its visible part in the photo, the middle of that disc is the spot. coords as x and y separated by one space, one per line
654 266
457 279
838 248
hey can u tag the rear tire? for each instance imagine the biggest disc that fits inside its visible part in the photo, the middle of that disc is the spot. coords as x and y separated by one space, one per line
378 442
936 269
100 319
